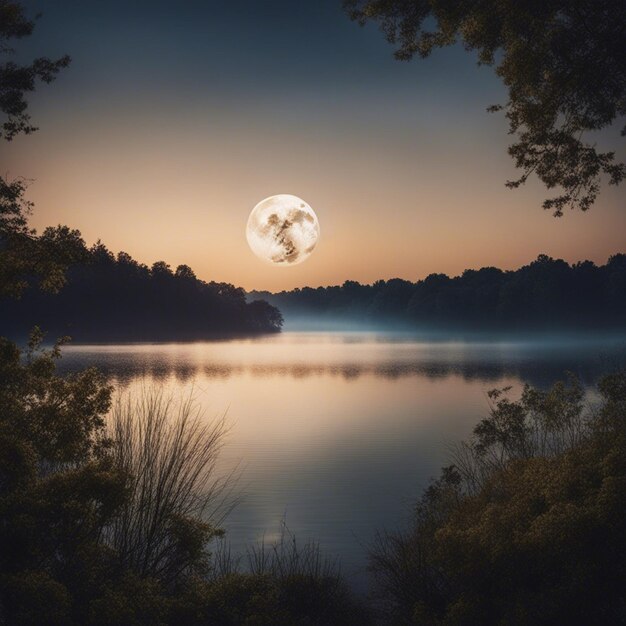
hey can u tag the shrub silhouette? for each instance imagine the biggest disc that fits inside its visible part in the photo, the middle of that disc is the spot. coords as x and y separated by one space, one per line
527 526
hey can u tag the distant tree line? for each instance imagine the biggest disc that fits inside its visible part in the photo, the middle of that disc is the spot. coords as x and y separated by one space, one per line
548 293
108 297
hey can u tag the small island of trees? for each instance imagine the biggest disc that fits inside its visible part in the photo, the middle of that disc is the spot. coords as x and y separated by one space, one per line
115 298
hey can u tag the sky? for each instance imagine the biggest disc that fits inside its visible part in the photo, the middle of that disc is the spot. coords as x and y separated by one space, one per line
175 119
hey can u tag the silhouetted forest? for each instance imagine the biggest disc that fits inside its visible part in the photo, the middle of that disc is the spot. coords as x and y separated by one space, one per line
546 294
116 298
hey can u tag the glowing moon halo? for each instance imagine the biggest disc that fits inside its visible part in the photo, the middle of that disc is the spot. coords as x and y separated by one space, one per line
283 230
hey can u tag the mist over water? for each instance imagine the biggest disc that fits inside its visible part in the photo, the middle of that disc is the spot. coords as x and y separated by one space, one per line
339 432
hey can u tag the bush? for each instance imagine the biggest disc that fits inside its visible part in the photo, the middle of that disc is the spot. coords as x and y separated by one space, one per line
112 523
527 527
285 584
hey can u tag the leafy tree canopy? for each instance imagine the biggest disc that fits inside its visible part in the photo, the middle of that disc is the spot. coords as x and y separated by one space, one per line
562 63
25 257
16 81
28 258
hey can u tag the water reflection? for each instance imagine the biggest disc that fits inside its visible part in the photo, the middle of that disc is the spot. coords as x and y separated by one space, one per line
340 432
350 356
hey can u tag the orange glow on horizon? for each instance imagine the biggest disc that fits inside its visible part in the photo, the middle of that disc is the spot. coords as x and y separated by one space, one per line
389 206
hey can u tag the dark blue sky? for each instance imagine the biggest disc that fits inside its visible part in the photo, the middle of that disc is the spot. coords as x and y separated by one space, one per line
267 47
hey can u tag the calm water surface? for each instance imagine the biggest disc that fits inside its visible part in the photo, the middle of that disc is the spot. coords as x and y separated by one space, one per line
339 432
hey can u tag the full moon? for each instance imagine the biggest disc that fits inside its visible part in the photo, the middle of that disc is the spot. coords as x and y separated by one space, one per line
283 230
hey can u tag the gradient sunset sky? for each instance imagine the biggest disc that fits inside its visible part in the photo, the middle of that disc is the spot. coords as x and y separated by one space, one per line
176 118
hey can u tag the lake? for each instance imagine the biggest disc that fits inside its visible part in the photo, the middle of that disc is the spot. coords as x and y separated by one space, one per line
338 433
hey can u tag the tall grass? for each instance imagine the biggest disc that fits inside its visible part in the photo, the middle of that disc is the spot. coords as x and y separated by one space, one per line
176 502
168 451
280 559
286 557
287 582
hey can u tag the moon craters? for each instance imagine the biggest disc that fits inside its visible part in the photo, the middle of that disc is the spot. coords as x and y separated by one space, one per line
283 230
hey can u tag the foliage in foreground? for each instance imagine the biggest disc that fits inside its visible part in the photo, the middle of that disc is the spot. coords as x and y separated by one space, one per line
282 584
110 521
529 524
115 525
74 547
